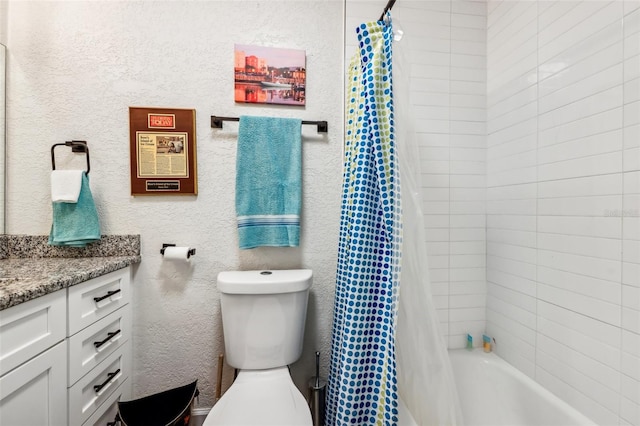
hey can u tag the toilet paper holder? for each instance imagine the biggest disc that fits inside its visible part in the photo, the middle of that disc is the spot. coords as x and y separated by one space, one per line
190 253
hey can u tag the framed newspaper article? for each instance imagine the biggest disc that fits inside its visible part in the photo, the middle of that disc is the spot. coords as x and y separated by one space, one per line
163 151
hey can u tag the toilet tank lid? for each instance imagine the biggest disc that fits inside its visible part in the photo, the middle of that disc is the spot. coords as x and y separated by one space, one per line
264 281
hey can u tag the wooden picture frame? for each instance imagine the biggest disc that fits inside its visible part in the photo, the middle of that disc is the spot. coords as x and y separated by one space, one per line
162 143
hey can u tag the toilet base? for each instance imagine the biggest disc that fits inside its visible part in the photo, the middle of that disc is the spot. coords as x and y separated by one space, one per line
261 398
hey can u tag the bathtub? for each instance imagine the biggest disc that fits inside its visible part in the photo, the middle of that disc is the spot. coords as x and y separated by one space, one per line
492 392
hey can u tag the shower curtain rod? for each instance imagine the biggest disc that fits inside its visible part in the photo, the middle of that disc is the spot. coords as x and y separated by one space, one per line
387 8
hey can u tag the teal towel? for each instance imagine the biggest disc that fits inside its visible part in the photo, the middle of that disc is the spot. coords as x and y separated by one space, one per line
75 224
268 182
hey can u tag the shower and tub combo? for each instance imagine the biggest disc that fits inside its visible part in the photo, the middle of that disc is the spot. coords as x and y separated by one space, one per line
494 393
418 380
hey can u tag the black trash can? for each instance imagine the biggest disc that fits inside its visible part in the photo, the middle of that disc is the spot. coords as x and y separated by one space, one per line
168 408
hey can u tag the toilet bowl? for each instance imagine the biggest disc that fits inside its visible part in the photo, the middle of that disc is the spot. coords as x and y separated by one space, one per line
263 317
261 397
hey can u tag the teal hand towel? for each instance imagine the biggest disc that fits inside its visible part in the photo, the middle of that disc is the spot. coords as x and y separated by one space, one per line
75 224
268 182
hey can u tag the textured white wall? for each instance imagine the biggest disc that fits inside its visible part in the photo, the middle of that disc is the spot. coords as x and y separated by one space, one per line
3 22
563 237
76 67
3 40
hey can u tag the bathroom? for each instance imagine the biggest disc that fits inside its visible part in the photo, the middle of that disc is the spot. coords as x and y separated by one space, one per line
531 218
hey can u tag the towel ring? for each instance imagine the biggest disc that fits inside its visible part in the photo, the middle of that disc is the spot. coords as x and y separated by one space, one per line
76 146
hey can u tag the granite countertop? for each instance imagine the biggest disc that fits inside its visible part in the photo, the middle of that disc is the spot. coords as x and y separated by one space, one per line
31 269
24 279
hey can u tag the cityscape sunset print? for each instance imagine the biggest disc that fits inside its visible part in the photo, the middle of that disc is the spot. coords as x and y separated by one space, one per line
269 75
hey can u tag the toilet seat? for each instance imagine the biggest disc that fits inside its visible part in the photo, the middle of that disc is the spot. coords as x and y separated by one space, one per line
261 397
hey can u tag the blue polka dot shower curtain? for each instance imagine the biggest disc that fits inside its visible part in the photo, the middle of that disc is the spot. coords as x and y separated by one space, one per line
362 385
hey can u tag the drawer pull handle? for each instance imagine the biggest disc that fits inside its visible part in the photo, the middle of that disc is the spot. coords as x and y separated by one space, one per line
109 294
109 337
110 376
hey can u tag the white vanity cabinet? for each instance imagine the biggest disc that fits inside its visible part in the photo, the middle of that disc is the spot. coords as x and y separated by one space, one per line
33 362
65 358
99 338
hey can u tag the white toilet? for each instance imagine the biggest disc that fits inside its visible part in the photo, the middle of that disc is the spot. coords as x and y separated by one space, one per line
263 316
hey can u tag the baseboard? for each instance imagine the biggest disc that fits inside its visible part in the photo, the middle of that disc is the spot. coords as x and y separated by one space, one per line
198 415
200 411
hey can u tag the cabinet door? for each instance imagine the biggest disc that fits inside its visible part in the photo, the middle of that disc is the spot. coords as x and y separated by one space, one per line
35 392
30 328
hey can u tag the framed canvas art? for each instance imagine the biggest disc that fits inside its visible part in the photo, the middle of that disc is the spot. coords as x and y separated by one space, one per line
269 75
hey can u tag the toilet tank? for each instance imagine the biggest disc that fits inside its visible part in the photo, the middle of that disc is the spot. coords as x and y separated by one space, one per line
263 316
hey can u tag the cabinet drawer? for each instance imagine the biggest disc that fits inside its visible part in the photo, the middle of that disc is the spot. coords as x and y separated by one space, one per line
96 298
90 346
106 414
35 392
92 390
30 328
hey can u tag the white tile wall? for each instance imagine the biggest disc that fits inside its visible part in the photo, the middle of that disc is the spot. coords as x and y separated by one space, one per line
511 172
528 119
563 183
467 160
630 360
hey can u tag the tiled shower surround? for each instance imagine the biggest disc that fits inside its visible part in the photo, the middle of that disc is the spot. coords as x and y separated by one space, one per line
528 120
563 199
